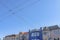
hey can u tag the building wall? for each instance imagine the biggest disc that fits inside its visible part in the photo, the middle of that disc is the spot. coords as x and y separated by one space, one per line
50 35
9 37
55 34
17 37
23 36
35 34
46 35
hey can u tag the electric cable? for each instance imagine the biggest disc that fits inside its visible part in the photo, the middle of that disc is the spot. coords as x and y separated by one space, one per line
25 7
10 10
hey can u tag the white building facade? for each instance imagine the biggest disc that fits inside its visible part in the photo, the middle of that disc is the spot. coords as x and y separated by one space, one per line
51 33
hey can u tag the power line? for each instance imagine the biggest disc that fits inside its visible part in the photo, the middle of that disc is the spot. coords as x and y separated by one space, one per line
21 4
24 8
10 10
27 6
22 18
4 5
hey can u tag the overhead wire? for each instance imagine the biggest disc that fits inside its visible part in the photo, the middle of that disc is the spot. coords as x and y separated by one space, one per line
20 5
4 5
5 13
7 8
11 10
26 7
22 9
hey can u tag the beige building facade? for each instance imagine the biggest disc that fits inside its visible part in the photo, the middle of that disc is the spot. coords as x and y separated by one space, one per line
23 36
51 33
10 37
20 36
17 37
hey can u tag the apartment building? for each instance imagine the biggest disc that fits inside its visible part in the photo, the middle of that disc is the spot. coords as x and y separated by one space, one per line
20 36
51 33
35 34
11 37
23 36
17 37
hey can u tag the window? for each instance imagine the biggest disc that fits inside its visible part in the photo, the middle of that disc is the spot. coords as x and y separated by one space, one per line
17 38
56 31
32 39
37 33
35 39
45 33
32 34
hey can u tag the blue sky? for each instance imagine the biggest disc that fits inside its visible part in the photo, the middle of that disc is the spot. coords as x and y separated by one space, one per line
22 15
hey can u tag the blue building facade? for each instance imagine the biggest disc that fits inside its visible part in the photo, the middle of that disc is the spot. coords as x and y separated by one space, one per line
35 34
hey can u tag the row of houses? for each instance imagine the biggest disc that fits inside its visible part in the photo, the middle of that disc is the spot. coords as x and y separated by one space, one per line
45 33
20 36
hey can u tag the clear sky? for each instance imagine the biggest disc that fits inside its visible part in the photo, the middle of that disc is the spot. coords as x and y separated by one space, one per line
22 15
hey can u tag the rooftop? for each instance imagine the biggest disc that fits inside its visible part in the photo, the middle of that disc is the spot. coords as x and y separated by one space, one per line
13 35
23 33
51 28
